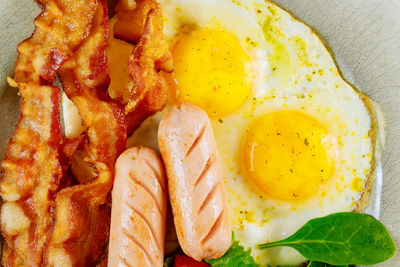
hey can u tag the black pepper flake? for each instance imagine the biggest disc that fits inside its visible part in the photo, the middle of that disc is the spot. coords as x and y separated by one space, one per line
291 170
278 133
220 120
306 142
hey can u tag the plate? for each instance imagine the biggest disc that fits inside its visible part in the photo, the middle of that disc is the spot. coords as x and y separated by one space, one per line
364 36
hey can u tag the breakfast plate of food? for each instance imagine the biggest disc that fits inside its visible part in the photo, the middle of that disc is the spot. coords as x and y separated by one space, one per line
199 133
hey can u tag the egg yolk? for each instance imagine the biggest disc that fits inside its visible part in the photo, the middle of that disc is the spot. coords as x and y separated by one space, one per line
210 71
289 155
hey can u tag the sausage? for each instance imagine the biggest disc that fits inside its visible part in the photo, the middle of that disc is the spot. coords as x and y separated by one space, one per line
195 184
139 205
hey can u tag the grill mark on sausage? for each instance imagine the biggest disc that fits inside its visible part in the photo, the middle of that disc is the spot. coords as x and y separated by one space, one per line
206 168
140 246
208 198
152 168
124 261
148 223
196 141
213 228
147 189
156 174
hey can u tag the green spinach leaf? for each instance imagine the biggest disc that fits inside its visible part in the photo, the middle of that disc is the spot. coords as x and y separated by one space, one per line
235 256
321 264
341 239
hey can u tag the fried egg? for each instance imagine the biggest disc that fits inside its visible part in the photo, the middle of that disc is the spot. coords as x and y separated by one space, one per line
296 141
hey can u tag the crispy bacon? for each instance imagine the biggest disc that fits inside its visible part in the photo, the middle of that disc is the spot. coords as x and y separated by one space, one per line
70 146
56 223
60 29
126 4
85 78
118 52
150 56
142 26
155 100
32 175
81 225
131 19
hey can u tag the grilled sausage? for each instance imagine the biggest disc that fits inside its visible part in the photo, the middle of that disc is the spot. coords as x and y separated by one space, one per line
139 204
195 183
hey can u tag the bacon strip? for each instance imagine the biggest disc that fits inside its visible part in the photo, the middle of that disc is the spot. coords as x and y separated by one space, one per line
85 78
82 224
131 19
32 175
60 29
143 26
81 227
150 56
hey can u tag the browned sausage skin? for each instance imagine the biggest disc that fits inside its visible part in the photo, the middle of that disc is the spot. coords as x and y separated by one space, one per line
139 204
195 183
